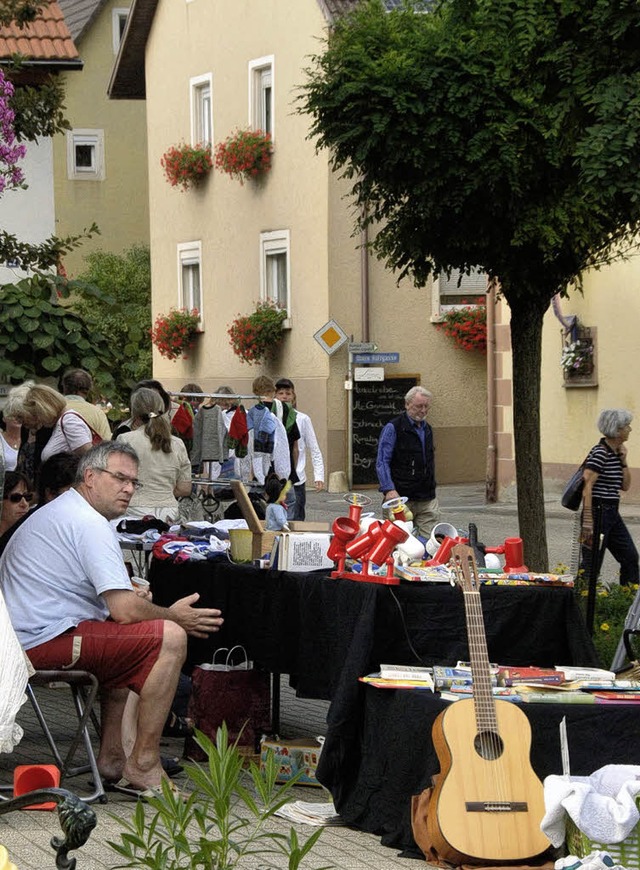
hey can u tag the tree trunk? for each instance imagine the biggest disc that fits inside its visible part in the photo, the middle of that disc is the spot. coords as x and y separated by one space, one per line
526 344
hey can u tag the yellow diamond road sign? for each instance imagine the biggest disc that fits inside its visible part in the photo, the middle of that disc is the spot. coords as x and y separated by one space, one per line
330 337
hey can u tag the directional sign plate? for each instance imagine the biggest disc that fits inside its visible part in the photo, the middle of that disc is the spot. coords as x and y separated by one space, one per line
362 347
376 358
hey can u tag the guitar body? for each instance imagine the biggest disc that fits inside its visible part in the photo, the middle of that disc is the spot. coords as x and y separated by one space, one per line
485 808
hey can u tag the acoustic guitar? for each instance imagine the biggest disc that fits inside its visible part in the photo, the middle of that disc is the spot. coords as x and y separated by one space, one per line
487 803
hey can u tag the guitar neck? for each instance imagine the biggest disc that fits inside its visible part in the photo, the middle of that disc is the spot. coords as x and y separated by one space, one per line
480 668
467 574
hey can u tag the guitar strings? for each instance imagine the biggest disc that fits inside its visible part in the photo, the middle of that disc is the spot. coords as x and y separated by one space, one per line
489 743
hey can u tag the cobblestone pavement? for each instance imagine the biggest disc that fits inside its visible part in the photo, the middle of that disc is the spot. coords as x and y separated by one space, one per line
26 834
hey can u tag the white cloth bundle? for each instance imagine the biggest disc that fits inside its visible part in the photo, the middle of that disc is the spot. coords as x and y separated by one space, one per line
602 806
13 664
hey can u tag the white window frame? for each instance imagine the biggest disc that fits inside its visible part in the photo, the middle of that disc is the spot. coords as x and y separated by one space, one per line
95 140
117 14
471 286
190 254
271 243
262 70
198 88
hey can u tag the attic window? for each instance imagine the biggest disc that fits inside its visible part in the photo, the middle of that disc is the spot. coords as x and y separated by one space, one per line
85 155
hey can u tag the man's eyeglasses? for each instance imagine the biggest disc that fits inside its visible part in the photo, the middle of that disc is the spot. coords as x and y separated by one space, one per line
16 497
122 478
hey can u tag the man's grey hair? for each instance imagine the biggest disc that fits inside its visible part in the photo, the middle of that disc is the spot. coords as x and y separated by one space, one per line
612 420
97 457
416 391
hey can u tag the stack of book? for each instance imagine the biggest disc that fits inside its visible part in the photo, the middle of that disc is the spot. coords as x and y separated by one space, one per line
529 685
401 677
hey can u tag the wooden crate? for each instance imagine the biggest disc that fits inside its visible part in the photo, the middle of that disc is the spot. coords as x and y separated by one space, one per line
263 540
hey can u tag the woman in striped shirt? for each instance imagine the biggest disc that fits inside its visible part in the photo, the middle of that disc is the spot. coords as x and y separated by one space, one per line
605 474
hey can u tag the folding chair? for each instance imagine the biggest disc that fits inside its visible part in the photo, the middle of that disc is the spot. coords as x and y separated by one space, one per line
84 690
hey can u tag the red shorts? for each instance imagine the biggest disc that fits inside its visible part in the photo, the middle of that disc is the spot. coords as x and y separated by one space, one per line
118 655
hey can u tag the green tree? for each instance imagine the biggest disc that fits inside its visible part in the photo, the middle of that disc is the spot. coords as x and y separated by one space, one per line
123 310
500 134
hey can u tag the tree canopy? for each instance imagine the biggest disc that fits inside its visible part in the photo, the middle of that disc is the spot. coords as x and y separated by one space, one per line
499 134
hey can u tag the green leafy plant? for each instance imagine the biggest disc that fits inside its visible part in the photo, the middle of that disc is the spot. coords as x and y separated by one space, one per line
223 821
40 336
611 608
467 326
257 336
245 154
175 333
185 165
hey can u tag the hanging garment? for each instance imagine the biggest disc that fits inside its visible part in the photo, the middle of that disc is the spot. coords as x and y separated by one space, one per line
209 433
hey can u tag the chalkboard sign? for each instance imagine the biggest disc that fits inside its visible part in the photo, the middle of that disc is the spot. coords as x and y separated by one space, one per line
374 404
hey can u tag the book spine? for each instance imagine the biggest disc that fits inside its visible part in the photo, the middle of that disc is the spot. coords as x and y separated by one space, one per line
406 675
558 698
547 679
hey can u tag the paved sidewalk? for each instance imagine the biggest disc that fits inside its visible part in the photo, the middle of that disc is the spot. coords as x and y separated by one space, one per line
27 834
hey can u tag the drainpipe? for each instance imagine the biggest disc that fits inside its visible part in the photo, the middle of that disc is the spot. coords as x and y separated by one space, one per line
364 279
364 336
491 484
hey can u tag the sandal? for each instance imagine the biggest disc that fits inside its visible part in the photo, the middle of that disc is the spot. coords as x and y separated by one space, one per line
177 726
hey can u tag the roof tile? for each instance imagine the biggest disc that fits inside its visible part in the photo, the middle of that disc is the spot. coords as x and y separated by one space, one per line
46 38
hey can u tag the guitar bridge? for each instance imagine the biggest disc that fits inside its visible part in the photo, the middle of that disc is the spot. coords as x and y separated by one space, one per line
496 806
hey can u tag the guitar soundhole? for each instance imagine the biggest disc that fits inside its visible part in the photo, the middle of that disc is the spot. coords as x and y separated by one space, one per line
488 745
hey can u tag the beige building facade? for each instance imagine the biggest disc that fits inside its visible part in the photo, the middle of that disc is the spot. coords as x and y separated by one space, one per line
100 165
608 315
210 69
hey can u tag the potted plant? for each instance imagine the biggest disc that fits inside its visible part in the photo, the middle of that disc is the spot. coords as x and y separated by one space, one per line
257 336
577 358
467 326
245 154
223 822
174 333
185 165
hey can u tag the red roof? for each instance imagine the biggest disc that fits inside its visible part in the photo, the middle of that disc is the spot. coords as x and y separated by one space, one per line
45 39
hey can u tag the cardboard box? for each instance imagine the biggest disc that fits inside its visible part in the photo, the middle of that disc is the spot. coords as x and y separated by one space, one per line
263 540
293 756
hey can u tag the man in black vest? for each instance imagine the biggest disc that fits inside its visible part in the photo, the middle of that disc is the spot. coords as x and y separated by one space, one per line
405 464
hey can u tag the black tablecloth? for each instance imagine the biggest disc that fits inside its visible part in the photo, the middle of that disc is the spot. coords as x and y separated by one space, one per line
373 777
326 633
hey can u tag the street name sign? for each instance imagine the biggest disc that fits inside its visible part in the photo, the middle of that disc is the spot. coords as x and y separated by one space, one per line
376 358
362 347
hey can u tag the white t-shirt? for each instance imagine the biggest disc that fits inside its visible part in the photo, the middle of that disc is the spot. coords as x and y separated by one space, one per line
75 434
56 567
10 455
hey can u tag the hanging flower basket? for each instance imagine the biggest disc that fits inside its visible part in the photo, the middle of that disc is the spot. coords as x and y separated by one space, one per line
245 154
174 334
185 165
467 326
257 336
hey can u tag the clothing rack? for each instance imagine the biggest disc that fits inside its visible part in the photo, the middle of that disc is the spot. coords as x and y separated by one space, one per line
215 395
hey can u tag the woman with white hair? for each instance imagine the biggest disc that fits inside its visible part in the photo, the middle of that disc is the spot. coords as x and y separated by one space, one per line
606 473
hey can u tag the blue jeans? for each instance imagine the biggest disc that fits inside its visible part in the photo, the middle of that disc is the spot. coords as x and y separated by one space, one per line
301 502
615 538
